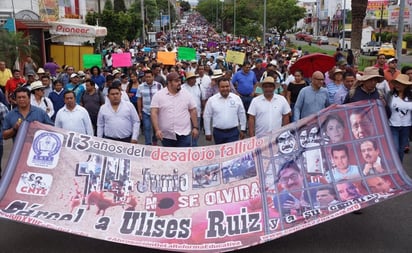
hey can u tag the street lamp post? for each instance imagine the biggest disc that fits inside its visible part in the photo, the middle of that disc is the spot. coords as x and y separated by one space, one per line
143 20
264 23
234 18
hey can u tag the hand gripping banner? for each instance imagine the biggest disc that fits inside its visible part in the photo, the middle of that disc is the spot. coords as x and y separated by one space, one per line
206 199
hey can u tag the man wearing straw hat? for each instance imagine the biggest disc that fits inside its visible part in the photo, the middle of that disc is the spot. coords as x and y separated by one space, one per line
365 87
197 95
269 111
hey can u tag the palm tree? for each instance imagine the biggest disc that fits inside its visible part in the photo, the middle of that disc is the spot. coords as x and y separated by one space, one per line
12 45
358 15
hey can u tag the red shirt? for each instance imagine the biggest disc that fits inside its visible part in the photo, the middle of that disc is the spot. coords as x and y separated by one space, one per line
13 83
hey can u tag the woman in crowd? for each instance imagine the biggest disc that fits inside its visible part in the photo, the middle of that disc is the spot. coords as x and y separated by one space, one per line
132 87
294 88
400 107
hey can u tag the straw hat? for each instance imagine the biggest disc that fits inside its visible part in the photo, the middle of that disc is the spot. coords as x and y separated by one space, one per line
36 85
402 79
217 73
190 75
269 80
369 73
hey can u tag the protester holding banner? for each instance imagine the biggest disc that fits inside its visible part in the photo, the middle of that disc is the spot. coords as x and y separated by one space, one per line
226 111
268 112
173 114
118 120
23 111
365 87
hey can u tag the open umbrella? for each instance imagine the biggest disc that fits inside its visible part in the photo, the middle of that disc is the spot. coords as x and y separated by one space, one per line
313 62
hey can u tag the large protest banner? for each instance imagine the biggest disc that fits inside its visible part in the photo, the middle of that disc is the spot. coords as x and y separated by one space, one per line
210 198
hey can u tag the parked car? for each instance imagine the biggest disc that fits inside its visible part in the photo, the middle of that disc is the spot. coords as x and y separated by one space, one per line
301 35
323 40
308 38
387 49
371 48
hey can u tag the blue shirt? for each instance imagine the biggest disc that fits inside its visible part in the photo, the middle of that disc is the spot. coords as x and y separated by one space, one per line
35 114
78 91
310 101
340 95
332 89
352 173
99 80
245 82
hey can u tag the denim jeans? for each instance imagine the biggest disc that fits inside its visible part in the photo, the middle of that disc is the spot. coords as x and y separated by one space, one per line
181 141
400 137
149 136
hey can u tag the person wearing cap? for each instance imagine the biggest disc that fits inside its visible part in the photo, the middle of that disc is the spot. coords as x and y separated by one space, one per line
23 111
391 72
311 99
365 87
226 112
196 92
31 77
73 117
269 111
75 86
12 84
258 68
38 98
337 82
400 104
174 115
5 74
117 119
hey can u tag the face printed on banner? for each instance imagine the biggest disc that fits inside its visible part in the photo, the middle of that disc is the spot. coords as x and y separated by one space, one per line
286 142
370 153
379 184
360 125
290 179
347 191
325 196
303 138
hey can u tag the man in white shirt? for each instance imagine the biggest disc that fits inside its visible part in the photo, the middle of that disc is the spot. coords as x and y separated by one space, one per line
118 120
227 111
73 117
269 111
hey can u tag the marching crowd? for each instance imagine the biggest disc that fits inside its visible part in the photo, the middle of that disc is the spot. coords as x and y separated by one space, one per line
173 104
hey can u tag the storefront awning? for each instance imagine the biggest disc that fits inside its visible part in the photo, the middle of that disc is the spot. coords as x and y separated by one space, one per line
67 32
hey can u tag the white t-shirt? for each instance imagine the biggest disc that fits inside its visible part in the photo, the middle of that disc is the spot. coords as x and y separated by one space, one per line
268 114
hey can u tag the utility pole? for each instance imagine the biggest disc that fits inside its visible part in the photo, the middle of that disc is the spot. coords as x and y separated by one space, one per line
380 24
143 20
400 29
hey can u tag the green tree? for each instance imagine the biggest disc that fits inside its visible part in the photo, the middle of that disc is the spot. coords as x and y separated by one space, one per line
185 6
108 5
119 6
283 14
13 45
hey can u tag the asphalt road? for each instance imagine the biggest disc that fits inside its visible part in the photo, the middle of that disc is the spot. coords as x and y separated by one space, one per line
384 227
